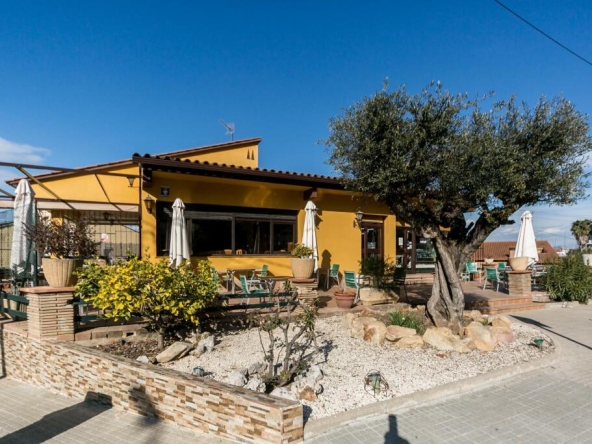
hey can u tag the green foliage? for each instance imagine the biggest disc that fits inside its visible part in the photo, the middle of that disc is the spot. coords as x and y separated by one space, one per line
154 290
64 239
406 319
581 230
569 279
300 250
379 270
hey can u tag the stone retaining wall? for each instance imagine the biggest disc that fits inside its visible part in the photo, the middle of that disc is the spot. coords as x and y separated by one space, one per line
204 404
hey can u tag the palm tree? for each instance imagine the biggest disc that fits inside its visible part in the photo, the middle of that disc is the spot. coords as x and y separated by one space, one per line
581 231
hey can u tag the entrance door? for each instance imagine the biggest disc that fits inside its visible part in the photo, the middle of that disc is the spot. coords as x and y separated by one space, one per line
415 253
372 240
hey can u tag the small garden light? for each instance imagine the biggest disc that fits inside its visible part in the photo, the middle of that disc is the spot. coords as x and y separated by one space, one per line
375 382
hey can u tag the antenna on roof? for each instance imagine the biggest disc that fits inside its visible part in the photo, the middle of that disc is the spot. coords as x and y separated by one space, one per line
229 128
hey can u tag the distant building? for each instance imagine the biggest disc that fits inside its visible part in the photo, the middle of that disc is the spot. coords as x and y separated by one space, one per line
501 251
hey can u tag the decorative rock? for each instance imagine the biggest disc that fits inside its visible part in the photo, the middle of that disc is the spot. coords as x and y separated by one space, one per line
503 335
257 368
175 351
358 326
348 319
283 392
439 337
409 342
256 384
464 345
143 359
208 342
375 333
395 332
315 373
475 315
199 350
308 394
237 378
500 321
481 336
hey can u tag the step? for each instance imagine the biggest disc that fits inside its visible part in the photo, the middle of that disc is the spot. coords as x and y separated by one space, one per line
497 302
512 308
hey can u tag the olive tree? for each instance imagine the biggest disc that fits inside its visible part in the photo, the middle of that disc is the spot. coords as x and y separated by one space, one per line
434 157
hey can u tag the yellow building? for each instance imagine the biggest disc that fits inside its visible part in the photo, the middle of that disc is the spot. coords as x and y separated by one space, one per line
238 215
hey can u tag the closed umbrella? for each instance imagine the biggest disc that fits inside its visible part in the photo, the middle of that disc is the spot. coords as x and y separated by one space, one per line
179 246
24 213
526 244
309 235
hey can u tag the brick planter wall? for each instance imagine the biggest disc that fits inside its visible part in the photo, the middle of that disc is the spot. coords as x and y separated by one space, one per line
203 404
519 283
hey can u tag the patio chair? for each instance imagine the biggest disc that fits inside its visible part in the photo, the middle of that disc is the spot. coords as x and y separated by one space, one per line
472 269
251 289
334 274
350 280
493 276
399 278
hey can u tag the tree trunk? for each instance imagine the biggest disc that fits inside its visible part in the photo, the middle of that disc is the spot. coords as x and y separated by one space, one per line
446 304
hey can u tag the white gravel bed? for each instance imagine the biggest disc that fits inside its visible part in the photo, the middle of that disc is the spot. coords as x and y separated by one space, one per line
346 361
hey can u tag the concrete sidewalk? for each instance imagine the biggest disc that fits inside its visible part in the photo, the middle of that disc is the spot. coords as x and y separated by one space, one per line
30 415
550 405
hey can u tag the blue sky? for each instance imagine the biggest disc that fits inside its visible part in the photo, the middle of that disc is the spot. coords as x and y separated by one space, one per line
90 82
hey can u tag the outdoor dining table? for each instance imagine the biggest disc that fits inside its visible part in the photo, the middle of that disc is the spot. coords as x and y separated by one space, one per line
231 272
271 281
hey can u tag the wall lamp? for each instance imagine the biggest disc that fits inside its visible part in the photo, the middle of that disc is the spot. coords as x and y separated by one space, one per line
149 204
359 218
131 180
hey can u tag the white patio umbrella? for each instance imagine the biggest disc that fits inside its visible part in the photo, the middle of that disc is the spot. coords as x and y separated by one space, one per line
179 246
526 244
309 235
24 213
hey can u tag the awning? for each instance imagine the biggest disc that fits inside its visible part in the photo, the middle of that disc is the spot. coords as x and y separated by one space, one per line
86 206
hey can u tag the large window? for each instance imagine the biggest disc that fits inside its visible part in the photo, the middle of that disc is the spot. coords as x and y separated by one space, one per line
215 229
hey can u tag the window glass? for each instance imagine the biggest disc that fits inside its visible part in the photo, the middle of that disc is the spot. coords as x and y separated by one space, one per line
283 237
210 236
252 236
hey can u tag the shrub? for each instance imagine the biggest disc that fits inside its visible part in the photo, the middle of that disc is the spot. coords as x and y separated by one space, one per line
406 319
303 251
379 271
569 279
62 239
164 295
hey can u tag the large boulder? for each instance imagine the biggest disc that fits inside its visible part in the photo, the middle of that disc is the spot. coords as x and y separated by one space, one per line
409 342
503 335
358 326
348 319
237 378
500 321
174 351
373 296
256 384
443 339
396 332
375 333
481 336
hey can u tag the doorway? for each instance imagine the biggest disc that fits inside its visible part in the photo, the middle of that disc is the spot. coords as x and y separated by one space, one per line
372 240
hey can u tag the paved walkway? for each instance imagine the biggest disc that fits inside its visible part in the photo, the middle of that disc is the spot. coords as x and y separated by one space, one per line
551 405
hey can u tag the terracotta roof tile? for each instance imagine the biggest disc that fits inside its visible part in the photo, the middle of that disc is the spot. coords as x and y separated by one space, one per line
500 251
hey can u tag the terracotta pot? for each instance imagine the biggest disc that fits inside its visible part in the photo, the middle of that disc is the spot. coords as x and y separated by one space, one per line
60 272
345 300
302 268
518 263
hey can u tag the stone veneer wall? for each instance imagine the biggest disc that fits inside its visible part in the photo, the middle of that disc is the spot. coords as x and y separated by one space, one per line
204 404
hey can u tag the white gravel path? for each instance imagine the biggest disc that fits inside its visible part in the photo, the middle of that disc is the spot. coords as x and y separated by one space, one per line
346 361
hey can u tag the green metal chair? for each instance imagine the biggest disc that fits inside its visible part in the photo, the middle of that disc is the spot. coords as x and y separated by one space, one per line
334 274
350 280
493 276
472 269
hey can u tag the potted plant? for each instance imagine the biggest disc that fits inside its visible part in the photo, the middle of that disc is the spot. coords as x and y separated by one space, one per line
63 246
344 299
302 262
379 284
